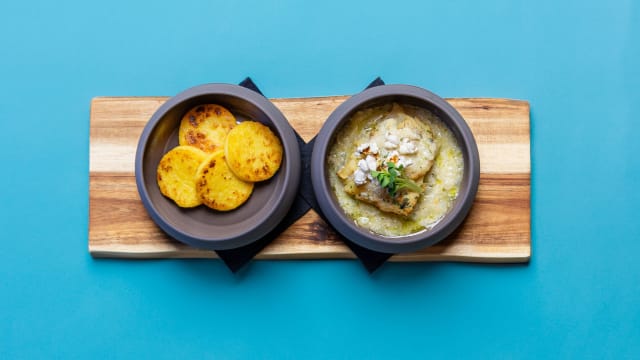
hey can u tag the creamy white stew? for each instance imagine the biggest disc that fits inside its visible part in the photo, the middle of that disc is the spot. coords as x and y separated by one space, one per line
395 169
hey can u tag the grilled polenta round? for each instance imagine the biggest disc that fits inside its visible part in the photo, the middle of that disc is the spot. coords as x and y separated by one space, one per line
253 151
206 127
217 187
176 172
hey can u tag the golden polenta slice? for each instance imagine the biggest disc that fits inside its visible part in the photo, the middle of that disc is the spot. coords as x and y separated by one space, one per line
176 175
206 127
253 151
217 187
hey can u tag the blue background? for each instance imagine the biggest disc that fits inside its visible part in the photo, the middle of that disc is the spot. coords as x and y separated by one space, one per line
577 62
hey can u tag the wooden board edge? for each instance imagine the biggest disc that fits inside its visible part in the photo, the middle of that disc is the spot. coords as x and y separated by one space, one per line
303 98
518 254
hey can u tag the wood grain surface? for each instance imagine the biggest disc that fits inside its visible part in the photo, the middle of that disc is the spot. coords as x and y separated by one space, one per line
496 230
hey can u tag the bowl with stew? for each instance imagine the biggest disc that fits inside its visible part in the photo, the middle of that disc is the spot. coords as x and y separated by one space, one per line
395 168
202 226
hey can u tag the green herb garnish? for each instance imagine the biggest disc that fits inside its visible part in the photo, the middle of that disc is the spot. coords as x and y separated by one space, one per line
392 180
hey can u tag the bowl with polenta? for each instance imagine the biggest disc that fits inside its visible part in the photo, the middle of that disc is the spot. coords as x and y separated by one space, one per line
217 166
395 168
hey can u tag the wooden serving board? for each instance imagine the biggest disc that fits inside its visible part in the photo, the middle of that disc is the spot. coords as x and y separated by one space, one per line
496 230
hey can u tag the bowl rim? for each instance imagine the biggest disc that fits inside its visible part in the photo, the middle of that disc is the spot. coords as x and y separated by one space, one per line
284 199
363 237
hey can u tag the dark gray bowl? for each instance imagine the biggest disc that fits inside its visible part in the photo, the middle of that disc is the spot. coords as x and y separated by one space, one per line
202 227
408 95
